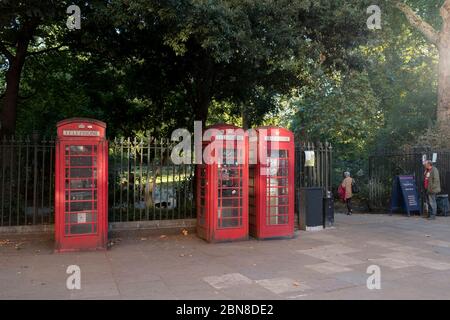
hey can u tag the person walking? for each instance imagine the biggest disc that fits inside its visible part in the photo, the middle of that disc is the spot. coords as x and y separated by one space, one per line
347 186
432 186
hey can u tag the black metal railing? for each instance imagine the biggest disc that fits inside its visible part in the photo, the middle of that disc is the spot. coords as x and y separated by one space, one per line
383 167
319 175
26 181
144 183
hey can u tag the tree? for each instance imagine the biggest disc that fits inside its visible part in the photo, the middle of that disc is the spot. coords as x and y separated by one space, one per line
441 39
240 53
402 70
162 64
25 30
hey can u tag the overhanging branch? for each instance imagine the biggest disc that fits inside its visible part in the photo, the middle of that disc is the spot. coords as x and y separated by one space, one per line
34 53
416 21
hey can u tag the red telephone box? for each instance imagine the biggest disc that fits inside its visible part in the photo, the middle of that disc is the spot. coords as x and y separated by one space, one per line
271 180
81 185
222 186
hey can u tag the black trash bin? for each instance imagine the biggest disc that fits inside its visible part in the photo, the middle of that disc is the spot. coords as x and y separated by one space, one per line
442 205
311 209
328 210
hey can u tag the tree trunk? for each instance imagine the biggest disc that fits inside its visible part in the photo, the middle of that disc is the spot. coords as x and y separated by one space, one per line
8 112
201 109
245 120
443 111
442 41
9 109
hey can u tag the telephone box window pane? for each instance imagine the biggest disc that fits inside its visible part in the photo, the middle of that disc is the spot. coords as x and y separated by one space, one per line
231 202
81 217
274 220
227 193
273 210
229 172
277 153
81 195
81 161
81 172
230 223
78 206
283 219
81 150
231 212
80 228
276 210
272 201
273 153
283 210
81 184
273 191
202 216
278 219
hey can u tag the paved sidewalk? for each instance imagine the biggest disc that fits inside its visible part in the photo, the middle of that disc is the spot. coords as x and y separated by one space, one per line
413 254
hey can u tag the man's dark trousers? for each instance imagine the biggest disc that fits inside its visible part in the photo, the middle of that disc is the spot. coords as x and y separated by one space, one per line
432 205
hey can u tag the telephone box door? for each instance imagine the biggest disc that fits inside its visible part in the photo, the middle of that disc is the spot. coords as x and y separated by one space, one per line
272 204
222 195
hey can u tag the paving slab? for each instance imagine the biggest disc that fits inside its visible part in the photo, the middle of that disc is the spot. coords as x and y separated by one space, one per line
413 255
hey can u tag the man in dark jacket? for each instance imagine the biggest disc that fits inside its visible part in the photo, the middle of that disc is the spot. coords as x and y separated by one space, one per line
432 185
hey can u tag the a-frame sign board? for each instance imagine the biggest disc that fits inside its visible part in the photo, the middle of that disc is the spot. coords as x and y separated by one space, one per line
405 195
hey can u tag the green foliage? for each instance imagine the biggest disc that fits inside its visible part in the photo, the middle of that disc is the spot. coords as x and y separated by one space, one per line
341 109
240 53
403 72
386 102
311 65
49 18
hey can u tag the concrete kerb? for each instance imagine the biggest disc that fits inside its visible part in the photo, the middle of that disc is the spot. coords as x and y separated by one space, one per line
115 228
